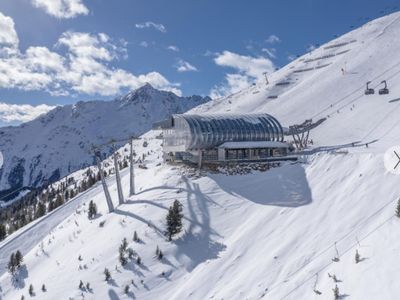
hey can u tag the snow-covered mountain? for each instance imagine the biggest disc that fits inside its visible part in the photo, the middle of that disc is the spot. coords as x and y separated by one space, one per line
59 142
330 82
264 235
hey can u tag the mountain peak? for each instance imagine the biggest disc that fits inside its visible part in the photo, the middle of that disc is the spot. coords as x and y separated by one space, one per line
145 92
147 86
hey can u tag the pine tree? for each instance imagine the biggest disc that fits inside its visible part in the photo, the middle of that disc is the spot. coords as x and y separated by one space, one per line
51 206
66 195
44 288
107 274
81 284
3 232
40 210
92 212
83 186
357 257
126 289
122 250
131 253
160 255
98 176
18 259
59 201
122 258
335 278
174 219
138 260
135 237
124 244
31 291
336 293
11 266
398 209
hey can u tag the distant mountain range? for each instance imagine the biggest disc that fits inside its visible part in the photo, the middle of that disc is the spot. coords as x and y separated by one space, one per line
58 142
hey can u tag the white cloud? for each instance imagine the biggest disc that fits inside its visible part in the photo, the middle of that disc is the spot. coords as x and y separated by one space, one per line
248 65
144 44
8 36
248 69
271 52
291 57
149 24
85 67
63 9
17 113
234 83
41 59
82 44
184 66
273 39
173 48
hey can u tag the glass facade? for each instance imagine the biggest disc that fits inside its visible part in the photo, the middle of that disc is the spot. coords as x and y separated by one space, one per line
192 132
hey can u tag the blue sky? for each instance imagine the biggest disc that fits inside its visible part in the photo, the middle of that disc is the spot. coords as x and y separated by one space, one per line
62 51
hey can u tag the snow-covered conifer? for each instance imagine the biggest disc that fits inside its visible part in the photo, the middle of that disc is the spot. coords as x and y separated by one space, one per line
174 219
336 293
31 290
107 274
357 257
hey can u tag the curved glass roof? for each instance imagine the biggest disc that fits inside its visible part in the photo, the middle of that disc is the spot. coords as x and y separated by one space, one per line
208 131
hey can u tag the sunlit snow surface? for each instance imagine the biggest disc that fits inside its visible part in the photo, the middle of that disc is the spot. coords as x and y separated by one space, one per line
260 235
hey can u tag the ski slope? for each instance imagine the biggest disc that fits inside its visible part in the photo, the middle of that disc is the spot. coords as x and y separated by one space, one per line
264 235
369 53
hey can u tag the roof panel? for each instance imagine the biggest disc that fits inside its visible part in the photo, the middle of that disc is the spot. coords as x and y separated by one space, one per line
232 127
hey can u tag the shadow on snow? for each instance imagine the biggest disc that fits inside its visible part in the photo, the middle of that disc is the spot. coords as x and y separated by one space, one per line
286 186
197 244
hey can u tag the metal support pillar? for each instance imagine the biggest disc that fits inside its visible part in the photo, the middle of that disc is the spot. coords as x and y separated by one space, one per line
131 171
118 178
103 182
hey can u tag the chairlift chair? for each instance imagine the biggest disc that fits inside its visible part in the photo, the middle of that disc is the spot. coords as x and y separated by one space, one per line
368 90
385 90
